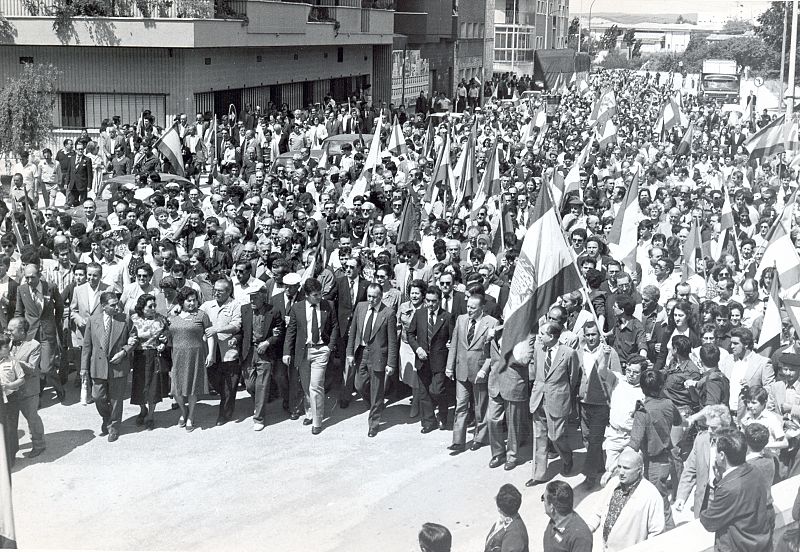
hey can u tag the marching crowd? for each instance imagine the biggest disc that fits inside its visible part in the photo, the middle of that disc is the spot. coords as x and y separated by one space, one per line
383 270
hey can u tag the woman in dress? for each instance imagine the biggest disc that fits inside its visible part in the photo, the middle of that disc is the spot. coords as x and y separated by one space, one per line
151 330
192 354
408 359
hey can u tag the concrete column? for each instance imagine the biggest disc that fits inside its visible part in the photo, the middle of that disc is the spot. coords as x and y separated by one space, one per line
382 73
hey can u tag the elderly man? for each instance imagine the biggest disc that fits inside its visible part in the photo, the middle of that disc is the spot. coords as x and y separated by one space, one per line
26 400
225 314
630 511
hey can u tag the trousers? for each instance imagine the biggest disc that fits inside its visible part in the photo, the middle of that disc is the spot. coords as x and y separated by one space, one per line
370 383
312 376
594 419
224 376
477 394
515 412
109 395
561 444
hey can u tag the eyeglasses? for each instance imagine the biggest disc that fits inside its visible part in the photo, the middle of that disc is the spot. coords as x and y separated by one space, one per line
143 276
350 267
239 271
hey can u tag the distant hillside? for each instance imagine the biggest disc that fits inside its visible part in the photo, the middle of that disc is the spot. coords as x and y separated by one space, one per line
634 18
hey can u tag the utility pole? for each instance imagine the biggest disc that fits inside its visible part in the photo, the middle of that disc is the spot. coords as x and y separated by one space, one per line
783 52
792 61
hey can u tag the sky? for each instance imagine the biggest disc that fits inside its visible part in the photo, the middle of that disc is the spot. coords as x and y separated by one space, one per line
659 6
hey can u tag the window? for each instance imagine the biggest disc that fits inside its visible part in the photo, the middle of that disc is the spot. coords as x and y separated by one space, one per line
73 110
25 60
339 54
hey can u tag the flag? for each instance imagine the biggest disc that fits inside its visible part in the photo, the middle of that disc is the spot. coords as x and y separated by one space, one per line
768 141
8 537
572 182
685 146
623 238
792 307
365 178
427 140
781 254
583 88
671 115
410 219
464 173
397 142
439 176
608 135
692 244
169 145
790 133
604 108
544 271
490 183
557 186
771 326
540 137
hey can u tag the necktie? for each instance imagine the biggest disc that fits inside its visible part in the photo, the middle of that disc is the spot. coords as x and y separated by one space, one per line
447 303
548 361
431 324
107 332
368 327
471 331
410 279
352 292
314 326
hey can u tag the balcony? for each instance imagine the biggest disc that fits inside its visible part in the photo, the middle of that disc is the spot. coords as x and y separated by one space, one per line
424 21
196 23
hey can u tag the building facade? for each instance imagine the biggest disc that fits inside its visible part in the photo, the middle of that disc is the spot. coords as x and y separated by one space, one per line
522 26
268 51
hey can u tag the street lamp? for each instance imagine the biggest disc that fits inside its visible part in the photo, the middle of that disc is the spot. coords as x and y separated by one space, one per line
589 47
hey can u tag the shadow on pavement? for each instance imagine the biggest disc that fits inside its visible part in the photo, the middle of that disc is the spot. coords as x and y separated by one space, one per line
59 444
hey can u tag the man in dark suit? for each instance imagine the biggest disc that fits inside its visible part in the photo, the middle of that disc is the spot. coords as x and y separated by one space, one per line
8 299
311 336
738 513
292 393
346 293
372 351
107 342
262 342
40 304
79 176
454 302
468 362
429 334
554 373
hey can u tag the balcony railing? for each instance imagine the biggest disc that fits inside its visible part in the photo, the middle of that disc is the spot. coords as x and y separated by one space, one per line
171 9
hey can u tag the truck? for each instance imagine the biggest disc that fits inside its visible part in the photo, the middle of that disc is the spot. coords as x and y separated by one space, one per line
720 80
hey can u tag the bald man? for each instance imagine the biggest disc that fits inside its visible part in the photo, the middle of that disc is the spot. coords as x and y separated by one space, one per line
632 510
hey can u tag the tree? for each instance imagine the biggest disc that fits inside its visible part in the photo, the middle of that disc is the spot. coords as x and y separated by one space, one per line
637 49
770 27
737 26
629 39
609 39
680 20
26 107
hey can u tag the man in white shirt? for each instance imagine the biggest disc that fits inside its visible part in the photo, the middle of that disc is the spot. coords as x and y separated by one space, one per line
244 283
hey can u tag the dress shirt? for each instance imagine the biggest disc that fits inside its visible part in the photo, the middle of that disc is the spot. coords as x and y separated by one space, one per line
241 292
309 310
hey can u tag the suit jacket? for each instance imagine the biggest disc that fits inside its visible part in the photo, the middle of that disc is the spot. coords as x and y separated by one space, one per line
79 174
340 297
28 354
45 320
738 513
80 311
759 369
459 305
513 538
437 348
401 276
696 472
95 356
273 318
381 345
279 302
296 336
507 380
558 388
7 313
466 358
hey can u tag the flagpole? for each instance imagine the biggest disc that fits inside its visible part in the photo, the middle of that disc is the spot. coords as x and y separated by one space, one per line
792 61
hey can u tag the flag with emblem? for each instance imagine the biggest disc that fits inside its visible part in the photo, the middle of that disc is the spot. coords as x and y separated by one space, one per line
604 108
544 271
768 141
608 135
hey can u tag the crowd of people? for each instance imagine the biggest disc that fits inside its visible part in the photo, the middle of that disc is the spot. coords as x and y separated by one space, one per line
366 276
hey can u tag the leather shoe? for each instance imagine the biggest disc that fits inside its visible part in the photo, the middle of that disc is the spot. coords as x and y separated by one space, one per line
510 465
497 461
343 403
476 445
33 453
372 433
294 416
456 449
442 426
112 436
534 482
221 421
316 430
103 429
427 429
307 421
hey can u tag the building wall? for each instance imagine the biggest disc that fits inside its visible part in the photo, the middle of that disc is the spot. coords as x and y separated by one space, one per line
440 57
470 54
180 74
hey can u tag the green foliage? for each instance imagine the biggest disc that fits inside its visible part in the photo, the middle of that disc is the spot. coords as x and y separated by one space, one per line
770 27
637 49
26 107
609 38
616 59
737 26
196 9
